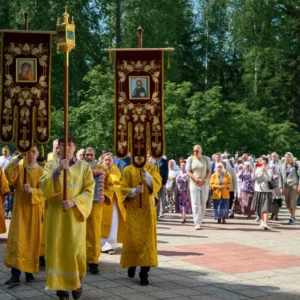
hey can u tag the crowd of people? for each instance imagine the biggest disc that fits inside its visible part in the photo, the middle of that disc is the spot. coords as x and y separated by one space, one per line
243 185
107 201
67 229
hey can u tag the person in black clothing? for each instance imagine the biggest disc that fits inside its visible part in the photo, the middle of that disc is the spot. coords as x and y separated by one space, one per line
164 173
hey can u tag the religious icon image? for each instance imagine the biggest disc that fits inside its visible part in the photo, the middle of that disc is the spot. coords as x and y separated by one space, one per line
139 87
26 70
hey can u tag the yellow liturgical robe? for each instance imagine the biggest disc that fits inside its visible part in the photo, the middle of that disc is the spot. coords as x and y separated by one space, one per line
66 231
25 231
93 233
115 175
4 189
139 242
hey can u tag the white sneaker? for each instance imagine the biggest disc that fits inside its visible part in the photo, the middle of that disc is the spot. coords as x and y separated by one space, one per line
266 227
261 224
197 227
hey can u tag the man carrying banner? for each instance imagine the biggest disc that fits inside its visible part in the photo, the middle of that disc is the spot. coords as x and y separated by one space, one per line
140 241
25 232
66 221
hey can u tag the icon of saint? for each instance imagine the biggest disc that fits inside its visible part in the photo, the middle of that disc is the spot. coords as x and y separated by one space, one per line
25 73
139 91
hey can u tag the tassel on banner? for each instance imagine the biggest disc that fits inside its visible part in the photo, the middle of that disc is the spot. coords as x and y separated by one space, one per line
169 63
110 58
42 151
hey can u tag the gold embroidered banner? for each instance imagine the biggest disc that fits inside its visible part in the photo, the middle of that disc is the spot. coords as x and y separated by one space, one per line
25 85
139 104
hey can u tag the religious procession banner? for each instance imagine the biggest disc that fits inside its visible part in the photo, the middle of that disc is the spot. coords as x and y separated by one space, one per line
25 88
139 105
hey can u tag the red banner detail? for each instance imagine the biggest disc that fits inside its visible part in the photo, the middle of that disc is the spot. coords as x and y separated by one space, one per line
26 85
139 105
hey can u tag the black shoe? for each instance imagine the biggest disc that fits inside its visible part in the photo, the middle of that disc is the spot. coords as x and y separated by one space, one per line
231 216
13 281
63 295
77 293
144 279
42 261
272 216
94 269
131 272
29 277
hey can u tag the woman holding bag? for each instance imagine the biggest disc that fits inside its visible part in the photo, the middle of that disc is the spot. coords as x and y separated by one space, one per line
289 184
220 184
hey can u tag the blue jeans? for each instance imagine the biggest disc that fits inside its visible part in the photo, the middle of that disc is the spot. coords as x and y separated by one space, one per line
9 203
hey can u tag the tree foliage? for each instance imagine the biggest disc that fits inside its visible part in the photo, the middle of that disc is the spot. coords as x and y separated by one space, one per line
234 78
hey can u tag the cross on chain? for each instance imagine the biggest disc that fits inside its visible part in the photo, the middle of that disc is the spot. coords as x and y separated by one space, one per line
24 131
122 134
156 134
7 117
139 147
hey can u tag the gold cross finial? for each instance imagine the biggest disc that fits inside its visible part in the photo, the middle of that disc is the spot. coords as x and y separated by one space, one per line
66 7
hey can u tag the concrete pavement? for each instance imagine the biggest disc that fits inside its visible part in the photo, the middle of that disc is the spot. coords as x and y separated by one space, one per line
232 261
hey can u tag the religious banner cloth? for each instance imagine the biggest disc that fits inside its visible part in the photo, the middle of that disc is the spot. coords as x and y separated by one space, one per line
25 88
139 105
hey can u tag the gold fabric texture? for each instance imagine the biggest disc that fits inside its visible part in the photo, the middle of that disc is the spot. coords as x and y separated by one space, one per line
25 232
140 241
93 233
115 175
66 231
4 189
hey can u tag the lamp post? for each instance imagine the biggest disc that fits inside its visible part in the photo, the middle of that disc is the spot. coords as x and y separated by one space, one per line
65 43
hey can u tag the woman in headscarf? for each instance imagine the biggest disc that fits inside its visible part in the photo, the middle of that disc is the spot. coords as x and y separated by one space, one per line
290 185
262 199
277 199
170 185
181 191
220 184
231 172
247 189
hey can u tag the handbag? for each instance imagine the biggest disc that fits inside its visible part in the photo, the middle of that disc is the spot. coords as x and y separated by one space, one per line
272 184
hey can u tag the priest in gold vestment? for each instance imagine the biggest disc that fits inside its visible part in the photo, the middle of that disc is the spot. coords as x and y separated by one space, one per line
66 221
140 241
25 232
113 221
4 189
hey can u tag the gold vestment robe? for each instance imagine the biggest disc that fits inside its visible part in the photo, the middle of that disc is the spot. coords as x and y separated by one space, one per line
66 231
4 189
139 241
25 231
93 227
115 175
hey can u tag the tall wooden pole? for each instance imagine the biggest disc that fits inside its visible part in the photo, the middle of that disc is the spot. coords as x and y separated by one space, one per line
140 45
118 24
26 21
24 156
66 120
140 37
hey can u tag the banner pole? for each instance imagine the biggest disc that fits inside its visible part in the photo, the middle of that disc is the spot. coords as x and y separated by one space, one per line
26 21
140 45
66 120
24 155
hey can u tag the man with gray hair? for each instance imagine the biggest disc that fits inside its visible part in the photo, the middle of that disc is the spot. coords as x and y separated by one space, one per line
55 151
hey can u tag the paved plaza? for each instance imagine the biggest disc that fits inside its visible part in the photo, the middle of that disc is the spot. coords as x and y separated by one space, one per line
232 261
